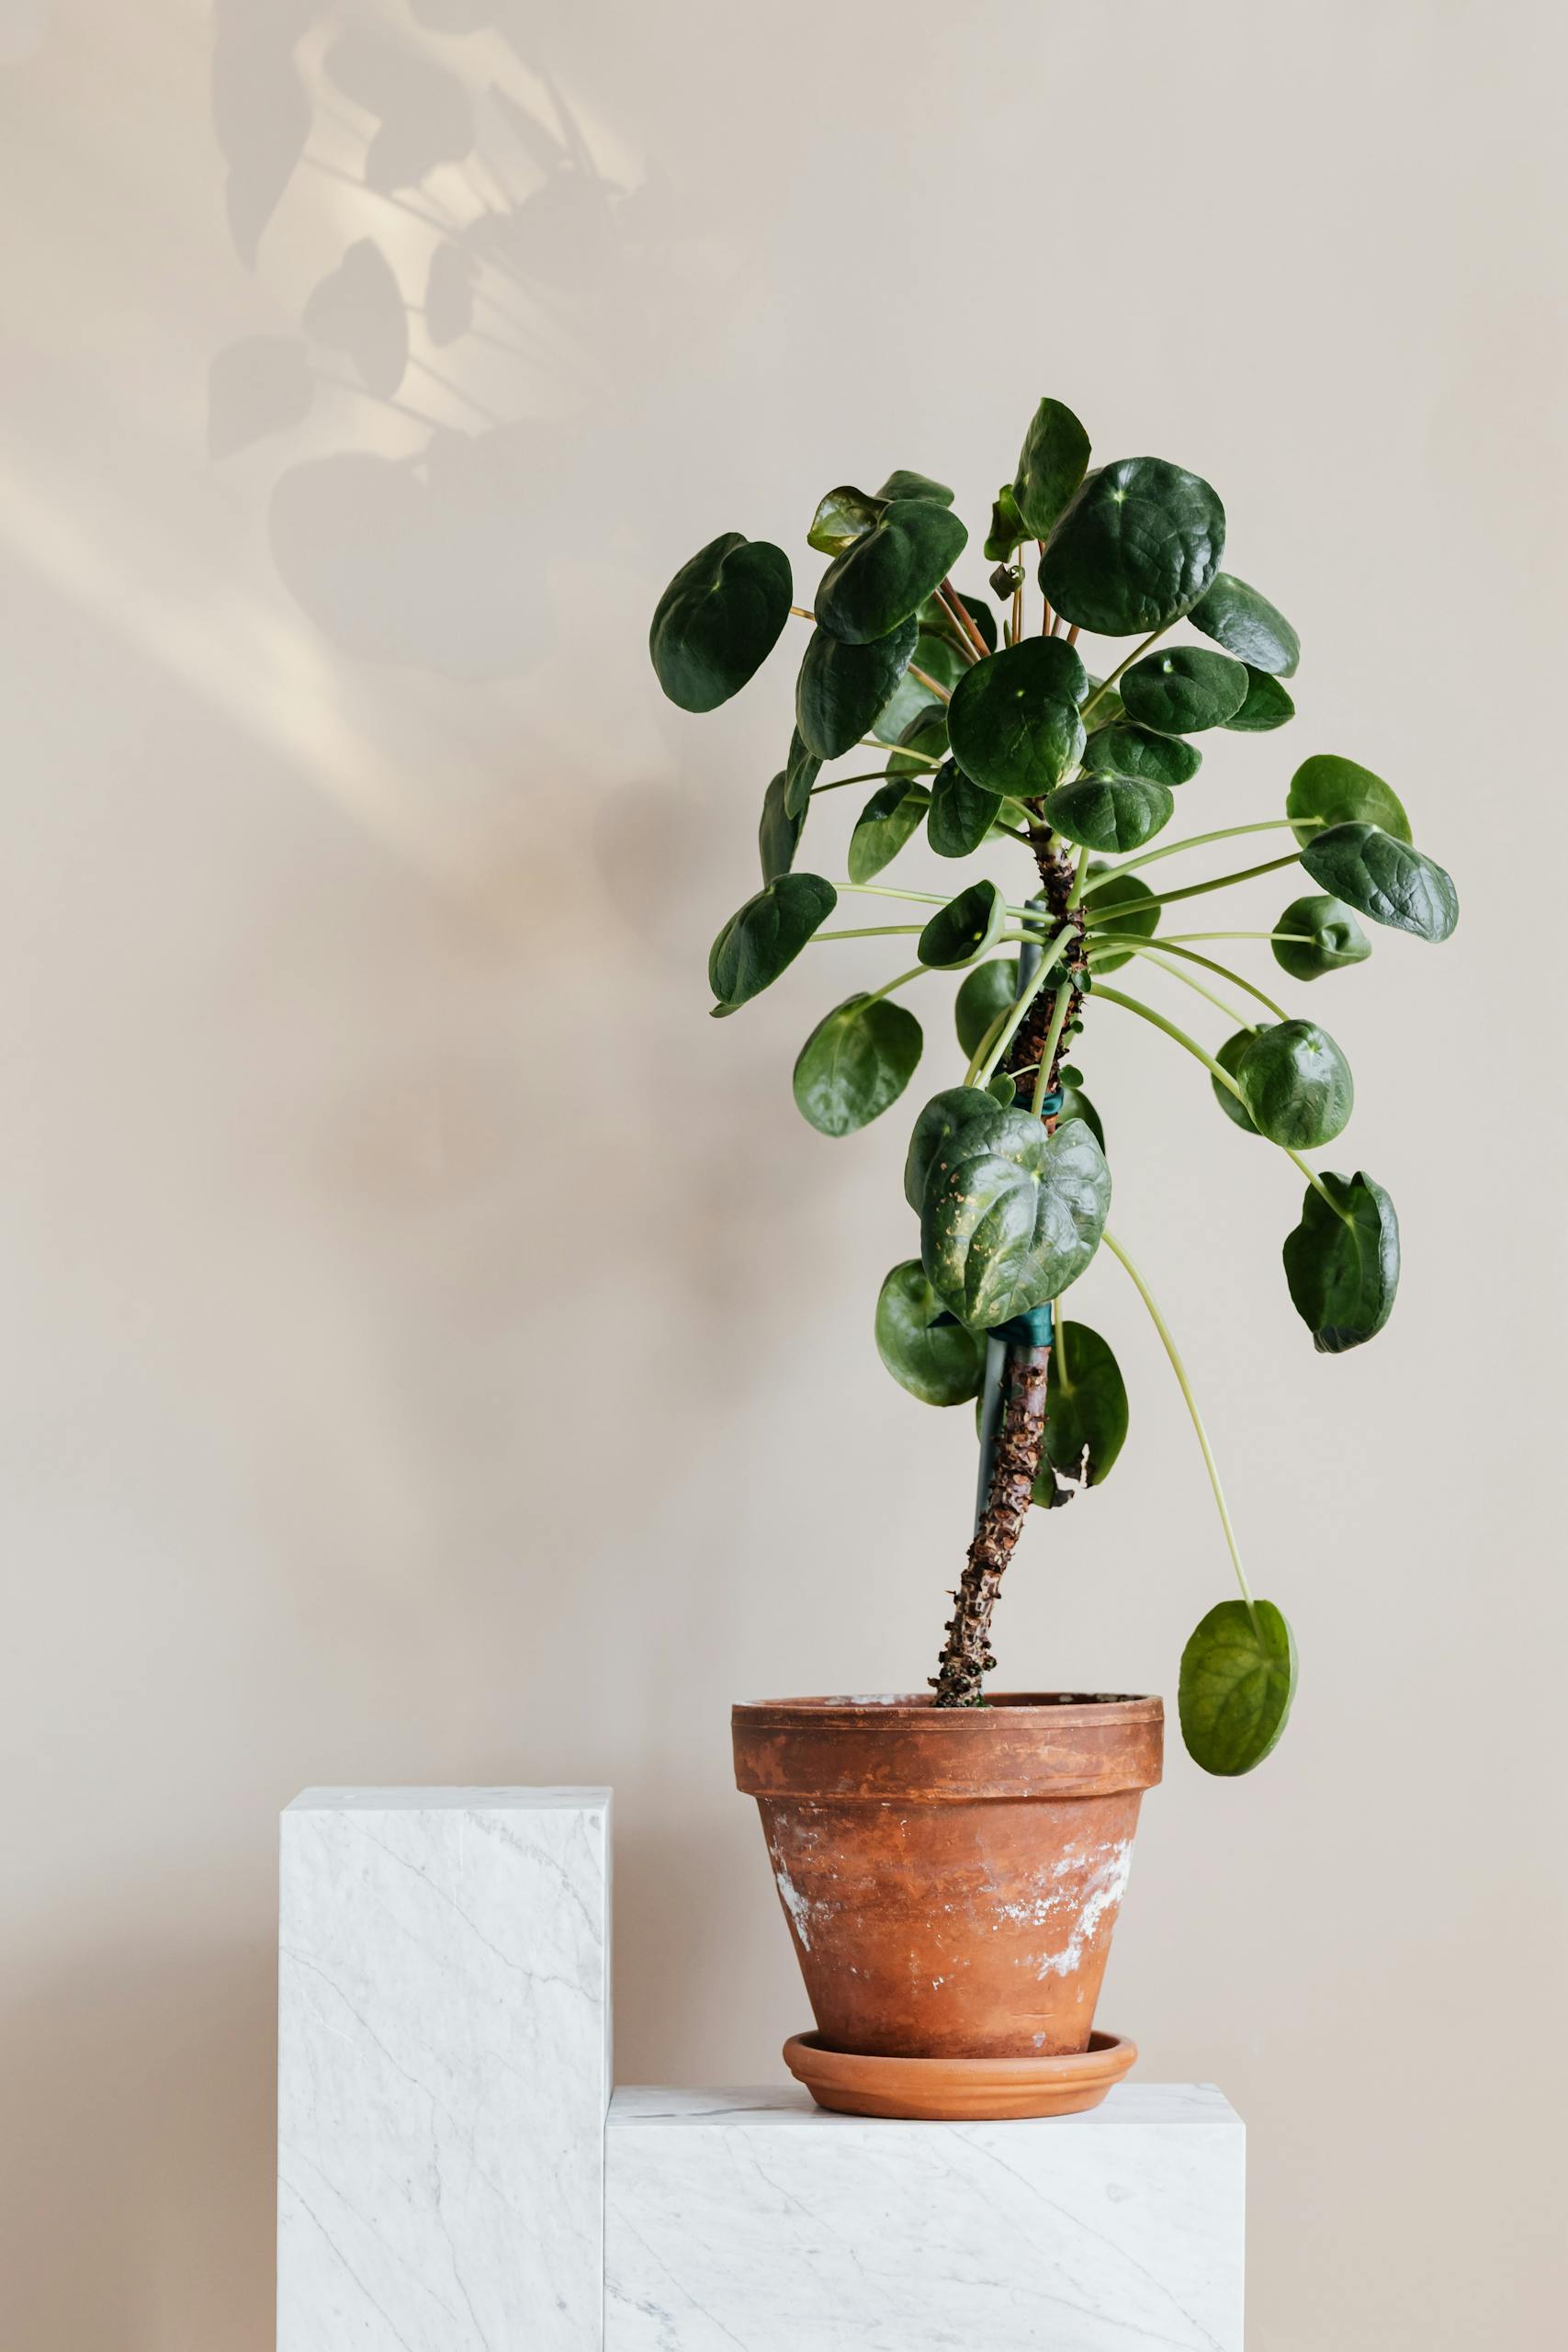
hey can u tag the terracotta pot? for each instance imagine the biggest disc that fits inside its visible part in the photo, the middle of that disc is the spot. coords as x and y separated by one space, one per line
950 1875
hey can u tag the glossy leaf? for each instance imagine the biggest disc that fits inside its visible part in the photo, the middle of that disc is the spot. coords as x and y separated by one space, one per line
1085 1413
988 992
1383 879
1136 549
1007 533
1342 1262
902 483
1182 688
1011 1215
926 736
1337 792
842 518
779 832
1297 1084
913 701
885 576
1076 1104
927 1352
1138 913
765 935
1013 722
1268 705
719 619
1051 464
964 928
939 1121
855 1063
1333 938
1238 1678
842 689
1109 812
1229 1056
961 813
1247 625
1124 750
802 769
893 815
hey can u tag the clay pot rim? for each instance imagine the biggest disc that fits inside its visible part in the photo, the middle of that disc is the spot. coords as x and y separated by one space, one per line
901 1749
1055 1706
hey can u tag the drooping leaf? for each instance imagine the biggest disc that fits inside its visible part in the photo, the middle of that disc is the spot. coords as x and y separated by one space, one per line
1383 879
1007 533
842 518
1013 721
964 928
1238 1678
1136 547
1122 750
1011 1215
1297 1084
855 1062
1135 912
779 832
961 814
762 938
802 769
1342 1262
1326 938
902 483
1086 1412
1337 792
1076 1104
1109 812
844 689
935 1358
719 619
987 993
885 576
1268 705
892 816
1051 464
1229 1059
1182 688
1247 625
939 1121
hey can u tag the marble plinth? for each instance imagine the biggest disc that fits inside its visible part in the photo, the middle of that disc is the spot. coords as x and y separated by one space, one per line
444 2070
750 2222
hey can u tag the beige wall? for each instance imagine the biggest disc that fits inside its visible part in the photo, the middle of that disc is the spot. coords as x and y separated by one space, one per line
431 1351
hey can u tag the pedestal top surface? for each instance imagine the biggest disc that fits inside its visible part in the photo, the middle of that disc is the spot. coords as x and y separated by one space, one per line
787 2105
367 1800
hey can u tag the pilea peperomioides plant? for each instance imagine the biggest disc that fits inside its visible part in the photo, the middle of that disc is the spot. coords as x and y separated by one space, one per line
988 737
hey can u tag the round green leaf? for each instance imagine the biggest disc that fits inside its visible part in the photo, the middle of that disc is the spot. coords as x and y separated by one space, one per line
1268 705
1051 464
964 928
1136 911
939 1121
1327 938
1247 625
842 518
1109 812
1297 1084
902 483
1238 1678
842 689
802 769
779 832
891 817
928 1354
1076 1104
1135 547
719 619
989 990
1229 1057
1384 879
1342 1262
1337 792
926 738
884 577
855 1063
1013 722
1122 750
1183 688
1086 1412
1011 1215
765 935
961 813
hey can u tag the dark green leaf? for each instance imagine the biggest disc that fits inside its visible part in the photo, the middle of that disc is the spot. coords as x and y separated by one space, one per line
764 938
719 619
1327 938
886 577
779 832
802 769
1136 912
954 1107
855 1063
961 813
913 701
1238 1678
1104 704
926 733
842 689
1268 705
935 1359
1003 1086
1109 812
1136 549
890 818
1383 879
1013 721
1342 1262
902 483
1229 1057
1134 751
1076 1104
964 928
1183 688
987 993
1297 1084
1337 792
842 518
1248 626
1007 533
1011 1215
1051 464
979 611
1086 1412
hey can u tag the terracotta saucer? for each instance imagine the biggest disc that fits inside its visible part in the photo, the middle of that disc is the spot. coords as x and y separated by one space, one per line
958 2090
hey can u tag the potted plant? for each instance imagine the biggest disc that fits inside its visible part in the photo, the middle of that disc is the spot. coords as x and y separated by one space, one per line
950 1862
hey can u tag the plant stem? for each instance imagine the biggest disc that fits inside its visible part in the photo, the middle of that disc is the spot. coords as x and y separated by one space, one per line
1318 1186
870 744
1009 1493
1197 986
1106 684
966 619
1203 1435
1021 1003
1079 873
799 613
888 987
866 776
1180 938
873 931
1103 995
1048 1050
1197 840
928 681
1099 915
885 890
